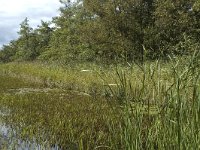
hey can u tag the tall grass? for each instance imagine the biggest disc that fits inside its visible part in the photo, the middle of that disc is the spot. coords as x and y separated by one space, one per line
159 113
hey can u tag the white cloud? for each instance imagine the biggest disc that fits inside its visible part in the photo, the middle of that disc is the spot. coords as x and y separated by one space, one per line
13 12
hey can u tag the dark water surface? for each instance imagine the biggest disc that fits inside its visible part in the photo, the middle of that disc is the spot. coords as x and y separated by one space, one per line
12 89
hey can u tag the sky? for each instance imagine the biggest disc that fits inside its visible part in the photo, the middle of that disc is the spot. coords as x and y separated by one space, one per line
13 12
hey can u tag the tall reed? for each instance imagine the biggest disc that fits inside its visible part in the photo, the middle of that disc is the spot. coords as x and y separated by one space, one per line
158 113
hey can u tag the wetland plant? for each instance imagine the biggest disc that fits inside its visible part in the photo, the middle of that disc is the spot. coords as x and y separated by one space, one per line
148 106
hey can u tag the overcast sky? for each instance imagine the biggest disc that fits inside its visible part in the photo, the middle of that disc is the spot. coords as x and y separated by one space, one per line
13 12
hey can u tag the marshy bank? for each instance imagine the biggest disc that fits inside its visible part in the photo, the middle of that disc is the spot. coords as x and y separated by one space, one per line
152 106
51 115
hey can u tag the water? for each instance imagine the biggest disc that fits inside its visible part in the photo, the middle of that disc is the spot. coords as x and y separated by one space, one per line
40 118
8 137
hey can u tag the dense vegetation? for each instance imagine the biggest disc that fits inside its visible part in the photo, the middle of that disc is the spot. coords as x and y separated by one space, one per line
150 106
110 31
83 103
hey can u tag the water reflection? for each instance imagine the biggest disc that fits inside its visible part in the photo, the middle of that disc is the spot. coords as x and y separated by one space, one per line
9 140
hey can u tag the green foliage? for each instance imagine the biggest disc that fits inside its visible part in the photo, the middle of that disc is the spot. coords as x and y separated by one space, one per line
110 31
27 42
122 26
174 20
8 52
43 33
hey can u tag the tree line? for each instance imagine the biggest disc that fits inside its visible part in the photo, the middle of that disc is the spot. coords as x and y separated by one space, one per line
110 30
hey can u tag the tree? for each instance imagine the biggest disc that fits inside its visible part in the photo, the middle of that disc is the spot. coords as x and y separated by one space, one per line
44 33
174 20
123 23
8 52
27 42
111 30
64 44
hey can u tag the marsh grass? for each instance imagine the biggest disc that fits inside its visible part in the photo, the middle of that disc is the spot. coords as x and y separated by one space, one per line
159 112
153 105
57 117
